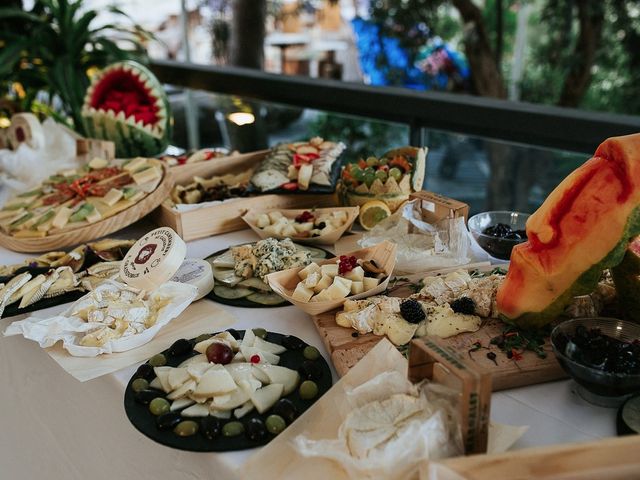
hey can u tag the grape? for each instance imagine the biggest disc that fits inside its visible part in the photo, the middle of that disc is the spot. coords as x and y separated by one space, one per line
369 179
275 424
383 161
158 360
256 429
186 428
232 429
285 409
372 162
381 175
369 171
139 384
308 390
396 173
357 173
219 353
158 406
310 353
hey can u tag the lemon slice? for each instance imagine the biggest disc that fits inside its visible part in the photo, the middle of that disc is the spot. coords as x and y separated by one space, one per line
372 213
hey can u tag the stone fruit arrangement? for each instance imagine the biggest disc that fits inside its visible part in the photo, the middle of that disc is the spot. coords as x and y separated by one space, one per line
126 104
390 178
582 228
334 281
227 391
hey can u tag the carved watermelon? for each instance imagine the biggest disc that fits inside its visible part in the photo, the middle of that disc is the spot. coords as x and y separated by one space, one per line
126 104
354 191
626 277
582 228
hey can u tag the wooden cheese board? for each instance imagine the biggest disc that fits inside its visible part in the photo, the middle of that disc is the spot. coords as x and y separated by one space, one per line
346 347
73 236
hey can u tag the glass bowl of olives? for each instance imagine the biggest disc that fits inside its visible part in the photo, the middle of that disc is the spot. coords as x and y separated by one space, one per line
602 355
497 232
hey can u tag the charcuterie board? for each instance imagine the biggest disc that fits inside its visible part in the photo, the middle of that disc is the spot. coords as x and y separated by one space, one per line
347 347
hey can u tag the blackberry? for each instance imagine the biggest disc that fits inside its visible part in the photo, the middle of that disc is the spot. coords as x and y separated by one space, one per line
412 311
464 305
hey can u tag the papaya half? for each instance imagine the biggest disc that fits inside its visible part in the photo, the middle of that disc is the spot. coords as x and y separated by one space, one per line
582 228
626 277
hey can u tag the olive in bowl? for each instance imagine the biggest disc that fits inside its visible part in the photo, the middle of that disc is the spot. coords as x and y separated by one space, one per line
498 232
602 355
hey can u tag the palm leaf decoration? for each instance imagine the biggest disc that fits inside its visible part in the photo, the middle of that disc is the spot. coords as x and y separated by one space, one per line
50 49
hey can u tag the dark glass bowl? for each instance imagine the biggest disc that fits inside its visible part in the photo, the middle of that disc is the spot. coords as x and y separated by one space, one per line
601 385
496 246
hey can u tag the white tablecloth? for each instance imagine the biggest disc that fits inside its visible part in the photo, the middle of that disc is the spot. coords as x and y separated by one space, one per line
54 427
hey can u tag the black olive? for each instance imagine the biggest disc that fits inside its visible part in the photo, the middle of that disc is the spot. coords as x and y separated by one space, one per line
256 430
180 347
310 370
168 420
210 427
292 343
145 396
286 409
234 333
145 371
321 225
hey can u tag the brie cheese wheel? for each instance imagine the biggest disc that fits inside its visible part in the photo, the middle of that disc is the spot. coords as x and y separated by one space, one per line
153 259
195 271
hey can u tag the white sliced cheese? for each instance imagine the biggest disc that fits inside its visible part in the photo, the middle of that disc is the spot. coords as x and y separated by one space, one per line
135 164
62 217
112 197
215 381
148 175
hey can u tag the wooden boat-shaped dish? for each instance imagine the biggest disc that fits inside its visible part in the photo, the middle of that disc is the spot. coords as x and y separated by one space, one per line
75 236
328 239
285 282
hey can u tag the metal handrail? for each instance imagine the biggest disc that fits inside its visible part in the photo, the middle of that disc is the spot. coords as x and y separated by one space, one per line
517 122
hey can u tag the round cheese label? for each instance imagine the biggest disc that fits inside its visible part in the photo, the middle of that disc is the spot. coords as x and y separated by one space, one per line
153 259
195 271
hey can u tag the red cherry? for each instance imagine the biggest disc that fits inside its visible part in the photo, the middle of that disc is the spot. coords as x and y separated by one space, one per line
255 358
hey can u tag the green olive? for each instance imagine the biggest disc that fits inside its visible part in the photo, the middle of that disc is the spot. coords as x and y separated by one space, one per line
310 353
308 390
260 332
139 384
275 424
158 406
232 429
203 337
158 360
186 428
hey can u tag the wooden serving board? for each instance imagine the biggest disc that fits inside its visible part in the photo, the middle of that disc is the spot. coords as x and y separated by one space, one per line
75 236
347 347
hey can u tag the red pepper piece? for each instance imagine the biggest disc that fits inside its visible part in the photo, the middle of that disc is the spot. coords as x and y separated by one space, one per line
291 186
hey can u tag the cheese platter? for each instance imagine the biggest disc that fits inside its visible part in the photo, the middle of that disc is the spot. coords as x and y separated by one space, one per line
83 204
227 391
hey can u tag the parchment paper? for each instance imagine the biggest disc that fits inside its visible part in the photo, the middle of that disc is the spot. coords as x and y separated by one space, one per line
202 316
279 459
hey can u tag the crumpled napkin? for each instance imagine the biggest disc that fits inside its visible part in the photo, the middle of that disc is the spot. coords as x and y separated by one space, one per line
421 245
70 329
25 168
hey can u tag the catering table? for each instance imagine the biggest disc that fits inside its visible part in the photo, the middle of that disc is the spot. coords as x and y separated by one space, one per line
55 427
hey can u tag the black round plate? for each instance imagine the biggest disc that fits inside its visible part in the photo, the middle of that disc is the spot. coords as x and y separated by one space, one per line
243 302
141 418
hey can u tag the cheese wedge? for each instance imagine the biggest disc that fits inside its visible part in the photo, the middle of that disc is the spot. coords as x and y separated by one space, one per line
62 217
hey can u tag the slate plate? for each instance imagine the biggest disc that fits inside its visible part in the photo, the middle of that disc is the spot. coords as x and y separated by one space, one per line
243 302
145 422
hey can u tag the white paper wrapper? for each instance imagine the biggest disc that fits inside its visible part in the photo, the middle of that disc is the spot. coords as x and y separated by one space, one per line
422 246
70 329
26 167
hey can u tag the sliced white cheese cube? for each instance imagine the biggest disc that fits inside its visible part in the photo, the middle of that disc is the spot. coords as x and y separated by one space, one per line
248 339
135 164
274 216
330 269
228 402
289 231
312 279
177 377
62 217
357 274
267 357
147 175
324 283
311 268
302 293
186 389
243 410
94 216
304 176
264 398
202 358
263 220
277 374
340 215
222 414
303 227
196 410
357 287
112 197
197 370
181 403
215 381
370 283
268 346
162 373
338 290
